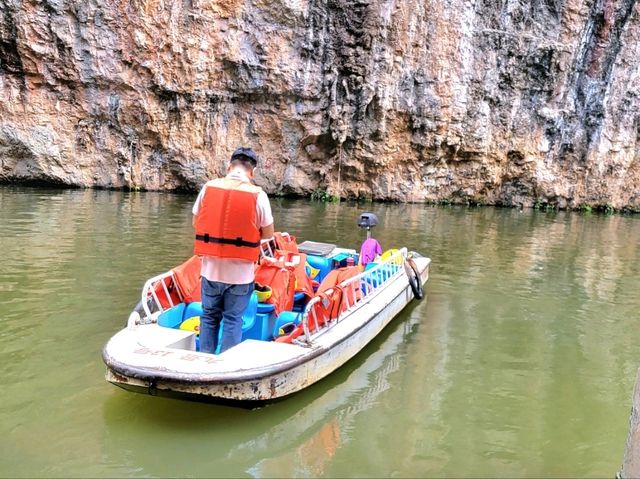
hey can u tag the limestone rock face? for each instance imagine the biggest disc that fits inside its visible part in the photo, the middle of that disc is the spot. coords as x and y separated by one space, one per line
499 102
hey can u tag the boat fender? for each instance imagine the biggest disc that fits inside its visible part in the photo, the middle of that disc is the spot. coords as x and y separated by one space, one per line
414 278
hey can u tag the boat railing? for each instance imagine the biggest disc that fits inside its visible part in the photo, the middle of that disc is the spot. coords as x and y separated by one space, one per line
150 300
269 246
355 291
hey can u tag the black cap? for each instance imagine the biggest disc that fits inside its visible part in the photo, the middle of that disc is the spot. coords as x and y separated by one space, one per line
248 153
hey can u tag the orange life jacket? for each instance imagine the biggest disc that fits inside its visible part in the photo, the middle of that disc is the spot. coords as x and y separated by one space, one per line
334 304
187 278
183 286
331 305
285 242
227 222
286 251
281 280
304 282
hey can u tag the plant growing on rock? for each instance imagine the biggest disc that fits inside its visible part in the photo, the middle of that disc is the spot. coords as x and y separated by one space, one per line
324 196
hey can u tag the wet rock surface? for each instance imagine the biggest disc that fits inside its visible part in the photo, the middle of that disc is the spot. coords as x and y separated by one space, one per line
514 102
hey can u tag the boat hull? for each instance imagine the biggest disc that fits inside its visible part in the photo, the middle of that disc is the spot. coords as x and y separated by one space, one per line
251 386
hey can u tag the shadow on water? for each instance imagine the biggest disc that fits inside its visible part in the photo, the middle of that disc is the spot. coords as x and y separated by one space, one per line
258 441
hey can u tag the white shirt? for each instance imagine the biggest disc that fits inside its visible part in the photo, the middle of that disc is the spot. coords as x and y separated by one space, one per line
234 271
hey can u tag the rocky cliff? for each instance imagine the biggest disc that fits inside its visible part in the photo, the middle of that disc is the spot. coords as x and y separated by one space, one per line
491 101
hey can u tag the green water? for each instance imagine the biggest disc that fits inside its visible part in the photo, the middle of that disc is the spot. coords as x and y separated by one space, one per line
520 362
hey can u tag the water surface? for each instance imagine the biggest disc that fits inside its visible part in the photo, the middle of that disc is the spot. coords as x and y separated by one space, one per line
520 362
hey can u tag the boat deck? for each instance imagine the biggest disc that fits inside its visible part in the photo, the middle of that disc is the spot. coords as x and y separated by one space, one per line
171 350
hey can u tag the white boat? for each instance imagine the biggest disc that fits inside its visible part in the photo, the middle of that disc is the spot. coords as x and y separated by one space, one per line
157 352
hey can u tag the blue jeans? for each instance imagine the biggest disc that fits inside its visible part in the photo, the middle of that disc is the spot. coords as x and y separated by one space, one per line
222 302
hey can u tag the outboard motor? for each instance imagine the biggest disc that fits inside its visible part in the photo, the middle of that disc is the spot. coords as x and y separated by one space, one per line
368 220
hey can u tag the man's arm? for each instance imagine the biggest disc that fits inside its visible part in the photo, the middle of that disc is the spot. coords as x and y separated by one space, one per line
196 206
266 232
263 210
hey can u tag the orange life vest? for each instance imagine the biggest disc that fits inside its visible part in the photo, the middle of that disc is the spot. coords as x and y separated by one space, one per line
187 278
332 304
281 280
183 286
227 222
285 242
287 250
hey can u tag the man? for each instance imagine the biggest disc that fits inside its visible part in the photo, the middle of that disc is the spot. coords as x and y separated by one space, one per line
230 217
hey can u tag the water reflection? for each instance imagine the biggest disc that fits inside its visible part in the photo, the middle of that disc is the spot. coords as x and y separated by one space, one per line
310 438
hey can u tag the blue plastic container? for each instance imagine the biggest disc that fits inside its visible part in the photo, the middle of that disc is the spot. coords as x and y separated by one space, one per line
321 263
173 317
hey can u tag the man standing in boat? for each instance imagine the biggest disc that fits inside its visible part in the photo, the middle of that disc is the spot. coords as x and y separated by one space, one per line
230 217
